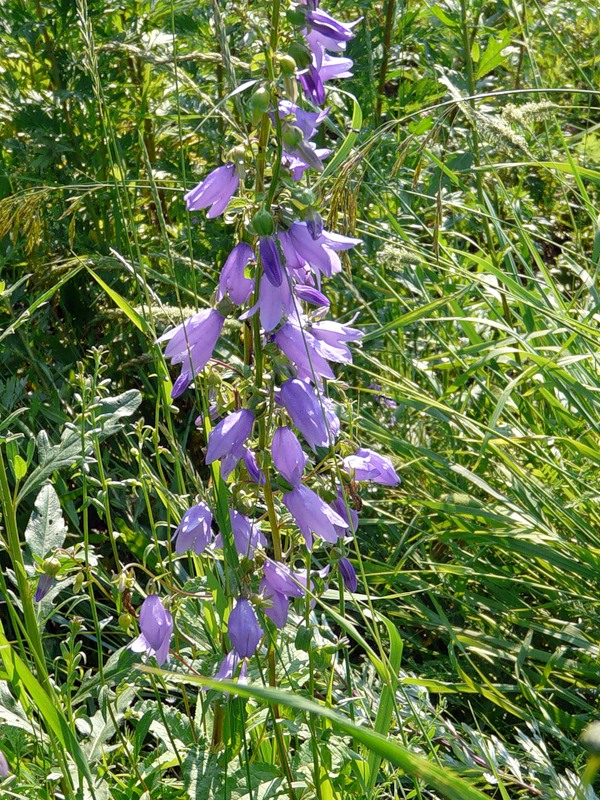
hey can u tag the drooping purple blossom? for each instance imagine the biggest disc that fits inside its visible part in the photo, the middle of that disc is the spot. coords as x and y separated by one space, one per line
313 515
348 514
335 335
321 253
312 414
243 628
299 126
226 440
312 296
306 352
45 583
288 456
228 666
365 465
233 280
255 474
156 626
271 260
277 586
247 535
191 344
194 532
326 33
274 302
348 574
216 190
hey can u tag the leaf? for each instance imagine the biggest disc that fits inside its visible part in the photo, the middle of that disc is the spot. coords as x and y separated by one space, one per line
492 56
123 304
52 457
46 529
445 781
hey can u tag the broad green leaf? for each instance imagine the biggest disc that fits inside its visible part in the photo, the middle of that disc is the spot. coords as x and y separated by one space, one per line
492 56
46 529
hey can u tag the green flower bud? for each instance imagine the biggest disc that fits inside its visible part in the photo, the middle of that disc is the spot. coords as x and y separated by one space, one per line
301 54
262 222
51 566
590 738
260 103
292 136
287 64
125 621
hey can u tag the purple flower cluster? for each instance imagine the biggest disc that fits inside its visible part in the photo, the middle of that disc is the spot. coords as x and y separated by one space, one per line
277 275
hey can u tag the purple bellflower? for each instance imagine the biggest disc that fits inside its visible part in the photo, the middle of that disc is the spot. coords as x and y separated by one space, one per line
312 414
312 296
156 626
277 586
307 353
321 253
216 190
4 770
365 465
228 666
274 302
313 515
255 474
244 631
347 513
288 456
226 440
348 574
321 70
233 280
191 344
194 532
45 583
271 260
327 33
335 335
247 535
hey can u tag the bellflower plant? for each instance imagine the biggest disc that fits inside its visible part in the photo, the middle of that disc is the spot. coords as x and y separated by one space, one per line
274 511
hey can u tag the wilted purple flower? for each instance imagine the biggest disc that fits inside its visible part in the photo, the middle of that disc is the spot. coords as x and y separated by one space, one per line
347 513
4 770
226 440
228 666
191 344
312 414
194 532
306 352
233 280
216 190
271 260
365 465
313 515
288 456
348 574
45 583
244 631
255 473
156 626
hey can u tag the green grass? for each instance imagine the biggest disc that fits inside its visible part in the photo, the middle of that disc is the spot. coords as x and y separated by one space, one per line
467 663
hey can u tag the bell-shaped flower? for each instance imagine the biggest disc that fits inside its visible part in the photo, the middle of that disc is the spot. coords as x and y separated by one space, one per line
288 456
310 412
45 583
279 605
311 295
348 514
216 190
326 32
274 302
244 630
156 626
4 770
255 474
228 666
313 515
271 260
191 344
320 253
277 586
226 440
194 532
247 535
306 352
335 335
348 574
365 465
233 280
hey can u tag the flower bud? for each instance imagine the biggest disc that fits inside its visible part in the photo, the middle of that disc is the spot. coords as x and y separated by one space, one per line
590 738
260 103
262 222
287 64
348 574
51 566
125 621
292 137
300 54
244 631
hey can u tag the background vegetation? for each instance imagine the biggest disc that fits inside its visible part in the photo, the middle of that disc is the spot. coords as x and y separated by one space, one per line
472 139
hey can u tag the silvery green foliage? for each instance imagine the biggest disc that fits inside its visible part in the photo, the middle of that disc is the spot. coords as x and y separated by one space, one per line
46 529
